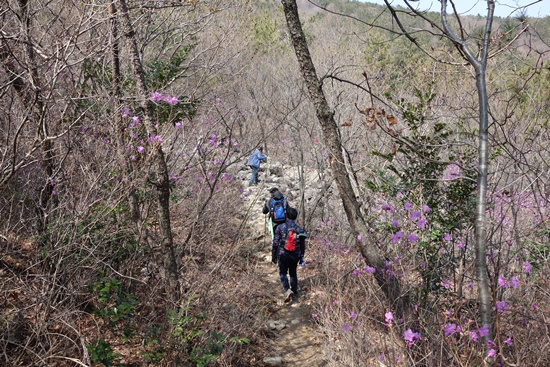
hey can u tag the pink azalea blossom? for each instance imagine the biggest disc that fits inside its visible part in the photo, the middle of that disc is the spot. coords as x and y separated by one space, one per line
154 139
178 125
172 101
473 336
410 337
514 282
412 238
370 270
140 149
407 206
136 119
156 96
388 317
421 223
426 208
502 281
416 215
449 329
483 331
491 353
397 236
502 307
527 267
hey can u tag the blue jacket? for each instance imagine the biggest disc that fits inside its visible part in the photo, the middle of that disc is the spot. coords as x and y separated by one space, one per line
278 248
255 158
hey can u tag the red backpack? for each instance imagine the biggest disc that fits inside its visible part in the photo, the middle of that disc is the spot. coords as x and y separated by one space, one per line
291 240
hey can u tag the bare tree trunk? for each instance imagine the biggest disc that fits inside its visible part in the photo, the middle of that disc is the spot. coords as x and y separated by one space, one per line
352 207
481 230
480 65
34 97
133 201
161 179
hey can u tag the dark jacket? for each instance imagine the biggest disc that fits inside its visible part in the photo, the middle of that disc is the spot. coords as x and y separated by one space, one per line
278 250
267 205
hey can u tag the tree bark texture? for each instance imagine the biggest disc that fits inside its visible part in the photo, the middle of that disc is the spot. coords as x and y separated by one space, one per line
480 66
31 92
364 241
133 201
161 179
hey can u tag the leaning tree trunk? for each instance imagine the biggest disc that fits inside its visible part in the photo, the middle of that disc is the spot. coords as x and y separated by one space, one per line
352 206
161 178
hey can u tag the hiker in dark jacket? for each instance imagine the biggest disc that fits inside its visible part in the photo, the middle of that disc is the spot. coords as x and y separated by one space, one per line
288 260
254 162
269 207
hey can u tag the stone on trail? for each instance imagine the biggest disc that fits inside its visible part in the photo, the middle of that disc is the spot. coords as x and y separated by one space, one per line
277 325
273 361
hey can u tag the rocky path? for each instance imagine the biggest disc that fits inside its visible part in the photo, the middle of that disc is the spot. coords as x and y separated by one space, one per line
295 339
296 342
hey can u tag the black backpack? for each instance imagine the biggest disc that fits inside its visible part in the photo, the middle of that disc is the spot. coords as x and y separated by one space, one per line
277 210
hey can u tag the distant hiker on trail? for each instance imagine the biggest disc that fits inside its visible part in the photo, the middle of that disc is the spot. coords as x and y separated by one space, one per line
254 162
276 206
289 250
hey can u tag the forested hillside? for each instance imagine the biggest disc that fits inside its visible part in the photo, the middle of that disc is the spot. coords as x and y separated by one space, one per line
128 231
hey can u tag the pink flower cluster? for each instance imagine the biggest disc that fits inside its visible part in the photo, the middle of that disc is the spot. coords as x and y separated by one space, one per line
410 337
171 100
415 215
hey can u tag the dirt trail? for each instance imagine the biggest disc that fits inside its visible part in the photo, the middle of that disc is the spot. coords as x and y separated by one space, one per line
296 338
297 344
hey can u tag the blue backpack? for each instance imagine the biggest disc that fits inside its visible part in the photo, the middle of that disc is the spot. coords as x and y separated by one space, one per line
278 210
